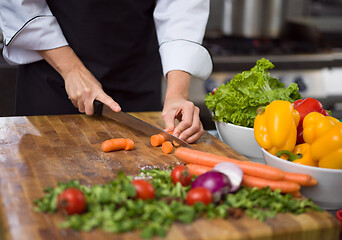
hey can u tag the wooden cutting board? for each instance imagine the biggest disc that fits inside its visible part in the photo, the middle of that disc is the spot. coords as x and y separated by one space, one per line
39 151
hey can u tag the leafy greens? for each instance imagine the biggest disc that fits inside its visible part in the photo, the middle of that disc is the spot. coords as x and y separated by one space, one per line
237 101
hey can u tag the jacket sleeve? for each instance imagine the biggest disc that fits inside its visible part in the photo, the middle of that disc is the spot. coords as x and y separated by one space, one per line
28 26
180 29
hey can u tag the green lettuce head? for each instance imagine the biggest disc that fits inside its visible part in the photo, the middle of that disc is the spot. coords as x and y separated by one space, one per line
237 101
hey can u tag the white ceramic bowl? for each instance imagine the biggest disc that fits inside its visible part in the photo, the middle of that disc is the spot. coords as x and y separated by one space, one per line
241 139
327 193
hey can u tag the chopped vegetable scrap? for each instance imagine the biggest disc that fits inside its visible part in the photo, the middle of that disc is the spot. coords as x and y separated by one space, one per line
157 140
117 144
167 147
116 206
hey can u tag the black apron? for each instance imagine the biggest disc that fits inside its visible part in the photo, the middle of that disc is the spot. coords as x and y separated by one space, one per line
116 40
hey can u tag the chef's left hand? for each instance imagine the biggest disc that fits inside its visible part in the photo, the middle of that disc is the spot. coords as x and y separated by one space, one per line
177 106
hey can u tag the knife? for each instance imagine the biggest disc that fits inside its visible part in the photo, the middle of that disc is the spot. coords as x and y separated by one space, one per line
101 109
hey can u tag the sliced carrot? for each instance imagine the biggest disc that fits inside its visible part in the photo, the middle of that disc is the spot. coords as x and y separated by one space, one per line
157 140
116 144
300 178
167 147
129 144
113 144
208 159
284 186
196 169
107 146
176 144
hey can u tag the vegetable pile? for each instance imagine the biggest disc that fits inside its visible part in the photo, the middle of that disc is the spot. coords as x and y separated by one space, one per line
301 132
156 199
252 174
237 101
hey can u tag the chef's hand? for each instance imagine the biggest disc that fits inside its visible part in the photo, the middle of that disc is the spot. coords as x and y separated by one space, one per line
177 106
80 84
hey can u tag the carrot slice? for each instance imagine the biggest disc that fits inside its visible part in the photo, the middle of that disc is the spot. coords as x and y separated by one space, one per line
157 140
117 144
129 144
284 186
107 146
208 159
113 144
167 147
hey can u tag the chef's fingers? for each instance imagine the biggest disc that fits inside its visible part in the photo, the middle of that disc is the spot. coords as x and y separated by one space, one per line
74 102
194 137
195 131
186 113
105 99
169 121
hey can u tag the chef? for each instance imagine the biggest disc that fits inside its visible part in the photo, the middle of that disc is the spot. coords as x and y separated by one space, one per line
71 53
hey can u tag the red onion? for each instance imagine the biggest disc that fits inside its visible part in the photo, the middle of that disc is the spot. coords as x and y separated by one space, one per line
217 183
233 172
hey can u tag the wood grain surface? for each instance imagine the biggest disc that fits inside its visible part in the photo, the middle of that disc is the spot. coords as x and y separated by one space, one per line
40 151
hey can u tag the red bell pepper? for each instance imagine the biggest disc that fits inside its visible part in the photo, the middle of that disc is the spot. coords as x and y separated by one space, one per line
304 107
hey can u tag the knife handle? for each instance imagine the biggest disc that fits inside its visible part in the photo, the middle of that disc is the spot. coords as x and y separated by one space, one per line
98 106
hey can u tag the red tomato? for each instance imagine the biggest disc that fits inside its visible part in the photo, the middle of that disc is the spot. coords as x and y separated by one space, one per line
144 189
72 200
181 174
199 194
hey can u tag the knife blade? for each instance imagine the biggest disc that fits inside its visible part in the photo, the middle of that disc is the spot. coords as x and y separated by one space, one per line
101 109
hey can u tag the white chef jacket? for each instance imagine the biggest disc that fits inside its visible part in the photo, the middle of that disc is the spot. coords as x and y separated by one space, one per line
28 26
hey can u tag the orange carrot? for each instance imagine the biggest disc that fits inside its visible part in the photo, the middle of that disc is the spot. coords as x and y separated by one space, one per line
167 147
129 144
284 186
196 169
175 143
296 194
157 140
115 144
301 178
208 159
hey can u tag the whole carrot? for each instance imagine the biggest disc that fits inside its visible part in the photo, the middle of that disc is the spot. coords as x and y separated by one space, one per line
284 186
300 178
208 159
196 169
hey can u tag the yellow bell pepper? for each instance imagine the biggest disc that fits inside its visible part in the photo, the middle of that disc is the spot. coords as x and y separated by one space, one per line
301 154
276 127
305 150
315 125
327 149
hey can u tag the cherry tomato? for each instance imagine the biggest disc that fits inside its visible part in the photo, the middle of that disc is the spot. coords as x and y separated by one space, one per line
199 194
72 200
144 189
181 174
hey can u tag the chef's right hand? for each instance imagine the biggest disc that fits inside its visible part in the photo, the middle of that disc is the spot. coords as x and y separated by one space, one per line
81 85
